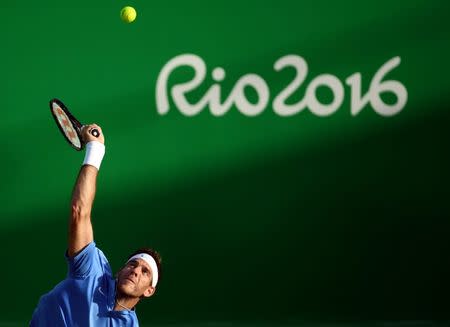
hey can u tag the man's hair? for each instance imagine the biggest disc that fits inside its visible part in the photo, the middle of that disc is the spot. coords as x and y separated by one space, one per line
155 256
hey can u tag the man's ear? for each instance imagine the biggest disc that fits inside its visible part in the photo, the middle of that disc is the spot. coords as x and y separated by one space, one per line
149 291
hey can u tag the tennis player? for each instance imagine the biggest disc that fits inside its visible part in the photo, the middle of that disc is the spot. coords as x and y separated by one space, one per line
91 295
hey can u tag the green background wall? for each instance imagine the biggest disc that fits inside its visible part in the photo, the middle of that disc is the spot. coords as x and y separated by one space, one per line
263 219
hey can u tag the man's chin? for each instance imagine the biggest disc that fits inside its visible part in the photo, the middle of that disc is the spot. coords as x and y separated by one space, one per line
125 286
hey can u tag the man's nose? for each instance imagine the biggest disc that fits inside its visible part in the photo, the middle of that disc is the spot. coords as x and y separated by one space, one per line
136 270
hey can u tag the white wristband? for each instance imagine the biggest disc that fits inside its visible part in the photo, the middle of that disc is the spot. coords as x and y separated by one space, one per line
94 154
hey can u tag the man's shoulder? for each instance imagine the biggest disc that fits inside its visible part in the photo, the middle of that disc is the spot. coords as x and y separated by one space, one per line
89 261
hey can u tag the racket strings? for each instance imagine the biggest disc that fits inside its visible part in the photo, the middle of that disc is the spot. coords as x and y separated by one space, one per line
66 126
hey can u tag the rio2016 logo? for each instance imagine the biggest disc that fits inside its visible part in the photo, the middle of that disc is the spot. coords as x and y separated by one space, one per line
238 98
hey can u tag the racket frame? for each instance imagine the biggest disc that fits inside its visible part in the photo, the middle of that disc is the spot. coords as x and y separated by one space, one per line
77 126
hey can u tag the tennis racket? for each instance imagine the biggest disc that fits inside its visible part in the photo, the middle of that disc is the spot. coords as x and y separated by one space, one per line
69 126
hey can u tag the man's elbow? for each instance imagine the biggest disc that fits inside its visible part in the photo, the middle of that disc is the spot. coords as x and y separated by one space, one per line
79 213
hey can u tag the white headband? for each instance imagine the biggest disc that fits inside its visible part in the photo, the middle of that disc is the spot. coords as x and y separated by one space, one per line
151 262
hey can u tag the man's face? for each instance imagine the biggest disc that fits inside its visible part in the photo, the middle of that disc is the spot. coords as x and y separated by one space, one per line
135 278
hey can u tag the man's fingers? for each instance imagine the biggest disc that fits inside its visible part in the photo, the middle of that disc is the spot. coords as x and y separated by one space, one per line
88 128
88 134
93 128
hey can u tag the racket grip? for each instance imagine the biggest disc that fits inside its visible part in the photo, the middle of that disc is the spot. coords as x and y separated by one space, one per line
95 132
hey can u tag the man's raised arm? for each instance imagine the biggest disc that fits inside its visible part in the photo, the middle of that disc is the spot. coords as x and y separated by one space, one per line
80 226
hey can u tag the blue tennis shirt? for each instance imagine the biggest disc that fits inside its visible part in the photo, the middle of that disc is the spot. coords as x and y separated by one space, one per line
85 298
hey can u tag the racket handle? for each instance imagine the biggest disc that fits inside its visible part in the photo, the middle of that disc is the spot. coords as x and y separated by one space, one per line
95 132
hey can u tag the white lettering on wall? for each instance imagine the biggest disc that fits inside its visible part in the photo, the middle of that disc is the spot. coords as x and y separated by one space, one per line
238 98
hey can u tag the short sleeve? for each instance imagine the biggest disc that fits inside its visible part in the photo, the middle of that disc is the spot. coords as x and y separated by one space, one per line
86 263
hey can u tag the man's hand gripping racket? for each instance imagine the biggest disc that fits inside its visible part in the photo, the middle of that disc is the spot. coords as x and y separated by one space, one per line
74 132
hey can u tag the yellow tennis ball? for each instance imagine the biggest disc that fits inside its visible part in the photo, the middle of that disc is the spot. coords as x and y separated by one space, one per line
128 14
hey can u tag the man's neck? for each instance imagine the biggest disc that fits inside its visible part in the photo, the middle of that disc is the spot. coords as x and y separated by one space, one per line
125 303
